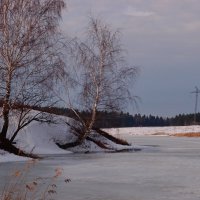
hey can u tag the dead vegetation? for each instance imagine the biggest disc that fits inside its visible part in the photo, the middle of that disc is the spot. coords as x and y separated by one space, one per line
21 187
192 134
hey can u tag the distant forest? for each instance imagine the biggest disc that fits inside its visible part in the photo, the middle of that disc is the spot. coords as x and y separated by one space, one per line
120 119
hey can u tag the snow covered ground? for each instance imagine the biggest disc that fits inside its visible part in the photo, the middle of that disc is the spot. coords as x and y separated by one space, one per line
170 130
7 157
40 138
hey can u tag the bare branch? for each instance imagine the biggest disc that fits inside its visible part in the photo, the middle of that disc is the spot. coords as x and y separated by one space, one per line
102 75
30 57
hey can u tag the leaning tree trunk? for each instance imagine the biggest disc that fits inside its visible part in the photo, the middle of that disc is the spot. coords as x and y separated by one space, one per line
5 113
88 128
84 132
7 146
6 106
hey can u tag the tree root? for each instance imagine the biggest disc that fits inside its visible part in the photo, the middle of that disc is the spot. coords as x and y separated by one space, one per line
68 145
98 143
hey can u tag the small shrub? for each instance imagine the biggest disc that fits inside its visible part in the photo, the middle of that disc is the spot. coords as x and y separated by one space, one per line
18 188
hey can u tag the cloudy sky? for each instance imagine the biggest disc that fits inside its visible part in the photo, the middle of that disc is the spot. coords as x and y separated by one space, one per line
162 37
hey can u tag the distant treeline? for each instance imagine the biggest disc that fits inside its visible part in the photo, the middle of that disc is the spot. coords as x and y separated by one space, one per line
114 119
120 119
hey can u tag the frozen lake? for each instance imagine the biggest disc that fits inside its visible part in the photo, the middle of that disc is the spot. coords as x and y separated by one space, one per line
166 169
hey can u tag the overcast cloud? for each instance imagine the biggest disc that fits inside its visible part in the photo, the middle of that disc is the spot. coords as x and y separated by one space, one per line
161 36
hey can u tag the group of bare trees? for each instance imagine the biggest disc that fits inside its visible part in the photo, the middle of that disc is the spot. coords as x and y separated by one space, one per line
31 63
29 59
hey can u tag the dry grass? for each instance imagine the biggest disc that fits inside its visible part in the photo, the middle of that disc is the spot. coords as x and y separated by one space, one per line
186 134
18 188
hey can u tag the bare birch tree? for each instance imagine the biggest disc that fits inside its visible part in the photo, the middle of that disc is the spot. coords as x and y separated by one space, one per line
29 58
101 76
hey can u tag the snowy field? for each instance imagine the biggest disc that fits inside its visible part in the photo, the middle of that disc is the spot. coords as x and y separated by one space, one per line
171 130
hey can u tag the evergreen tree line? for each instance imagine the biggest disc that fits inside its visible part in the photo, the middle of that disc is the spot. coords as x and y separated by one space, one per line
115 119
120 119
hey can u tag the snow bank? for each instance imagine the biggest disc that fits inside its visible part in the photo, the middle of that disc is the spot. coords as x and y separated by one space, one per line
40 138
37 138
88 146
7 157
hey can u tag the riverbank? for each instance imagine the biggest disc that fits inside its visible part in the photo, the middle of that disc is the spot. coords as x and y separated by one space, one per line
40 138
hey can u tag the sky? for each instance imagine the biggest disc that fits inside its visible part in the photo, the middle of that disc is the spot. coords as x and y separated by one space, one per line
162 38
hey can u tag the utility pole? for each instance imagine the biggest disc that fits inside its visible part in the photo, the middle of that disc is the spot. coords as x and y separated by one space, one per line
196 92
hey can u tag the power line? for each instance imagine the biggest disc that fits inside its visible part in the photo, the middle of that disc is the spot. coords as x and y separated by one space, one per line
196 92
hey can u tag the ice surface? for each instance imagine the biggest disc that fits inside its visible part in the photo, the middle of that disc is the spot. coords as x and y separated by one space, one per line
166 169
40 138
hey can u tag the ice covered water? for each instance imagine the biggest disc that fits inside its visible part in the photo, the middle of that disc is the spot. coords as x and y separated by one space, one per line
166 169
